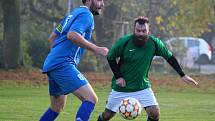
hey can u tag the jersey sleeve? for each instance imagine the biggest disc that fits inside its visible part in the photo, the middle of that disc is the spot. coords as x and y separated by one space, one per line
59 27
116 50
82 23
161 49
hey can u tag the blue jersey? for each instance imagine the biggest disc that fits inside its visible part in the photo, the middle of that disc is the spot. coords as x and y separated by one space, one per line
63 51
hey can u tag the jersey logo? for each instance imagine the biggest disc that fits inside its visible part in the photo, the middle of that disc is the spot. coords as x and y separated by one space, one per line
132 50
59 28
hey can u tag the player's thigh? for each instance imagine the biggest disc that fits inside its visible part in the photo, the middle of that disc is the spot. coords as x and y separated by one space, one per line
153 111
65 80
58 102
86 92
114 100
146 97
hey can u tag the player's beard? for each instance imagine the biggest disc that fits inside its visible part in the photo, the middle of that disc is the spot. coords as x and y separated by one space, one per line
94 9
141 40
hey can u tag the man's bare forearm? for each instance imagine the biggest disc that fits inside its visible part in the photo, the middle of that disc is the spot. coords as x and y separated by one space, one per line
51 38
77 39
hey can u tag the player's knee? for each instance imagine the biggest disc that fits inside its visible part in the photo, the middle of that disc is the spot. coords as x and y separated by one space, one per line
96 99
155 114
107 116
93 99
58 107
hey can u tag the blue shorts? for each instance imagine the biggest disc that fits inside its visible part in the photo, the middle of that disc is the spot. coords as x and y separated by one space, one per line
65 80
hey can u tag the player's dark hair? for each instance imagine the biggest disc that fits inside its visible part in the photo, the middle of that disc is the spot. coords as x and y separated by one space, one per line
84 1
141 20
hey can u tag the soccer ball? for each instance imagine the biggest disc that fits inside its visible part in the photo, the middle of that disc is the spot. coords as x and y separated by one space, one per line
129 108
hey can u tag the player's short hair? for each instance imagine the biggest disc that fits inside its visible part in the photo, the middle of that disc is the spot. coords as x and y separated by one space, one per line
141 20
84 1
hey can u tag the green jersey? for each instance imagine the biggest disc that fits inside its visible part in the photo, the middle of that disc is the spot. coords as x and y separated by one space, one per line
136 61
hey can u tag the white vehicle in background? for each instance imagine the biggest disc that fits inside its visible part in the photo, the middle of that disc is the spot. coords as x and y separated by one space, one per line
194 50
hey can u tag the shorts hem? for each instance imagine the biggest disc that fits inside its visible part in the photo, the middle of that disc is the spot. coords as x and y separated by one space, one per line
110 110
67 92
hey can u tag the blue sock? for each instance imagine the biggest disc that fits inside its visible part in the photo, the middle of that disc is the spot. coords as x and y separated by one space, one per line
85 111
49 115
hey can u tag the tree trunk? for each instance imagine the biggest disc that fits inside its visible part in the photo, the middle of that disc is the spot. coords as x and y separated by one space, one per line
11 37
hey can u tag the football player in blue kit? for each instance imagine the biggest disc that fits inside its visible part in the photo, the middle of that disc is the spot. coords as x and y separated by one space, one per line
68 41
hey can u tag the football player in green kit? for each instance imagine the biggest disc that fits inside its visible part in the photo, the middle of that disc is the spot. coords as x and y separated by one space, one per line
130 79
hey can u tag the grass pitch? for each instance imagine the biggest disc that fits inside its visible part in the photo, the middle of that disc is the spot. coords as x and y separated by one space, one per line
27 102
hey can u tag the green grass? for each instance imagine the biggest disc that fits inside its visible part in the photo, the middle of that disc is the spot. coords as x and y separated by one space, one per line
24 102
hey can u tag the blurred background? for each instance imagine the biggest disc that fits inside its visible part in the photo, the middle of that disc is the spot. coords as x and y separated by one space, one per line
187 27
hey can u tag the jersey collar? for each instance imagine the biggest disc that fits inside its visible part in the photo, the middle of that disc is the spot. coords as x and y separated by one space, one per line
83 6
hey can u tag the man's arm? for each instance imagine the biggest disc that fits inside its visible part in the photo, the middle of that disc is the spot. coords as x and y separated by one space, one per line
115 68
175 65
51 38
162 50
114 53
77 39
117 73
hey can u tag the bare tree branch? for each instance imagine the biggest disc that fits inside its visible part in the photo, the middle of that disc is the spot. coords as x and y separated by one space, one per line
42 15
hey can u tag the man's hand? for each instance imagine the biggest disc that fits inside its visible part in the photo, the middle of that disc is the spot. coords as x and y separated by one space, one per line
189 80
101 51
121 82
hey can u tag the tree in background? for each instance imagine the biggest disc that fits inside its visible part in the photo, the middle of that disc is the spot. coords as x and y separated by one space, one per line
38 18
11 34
191 17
